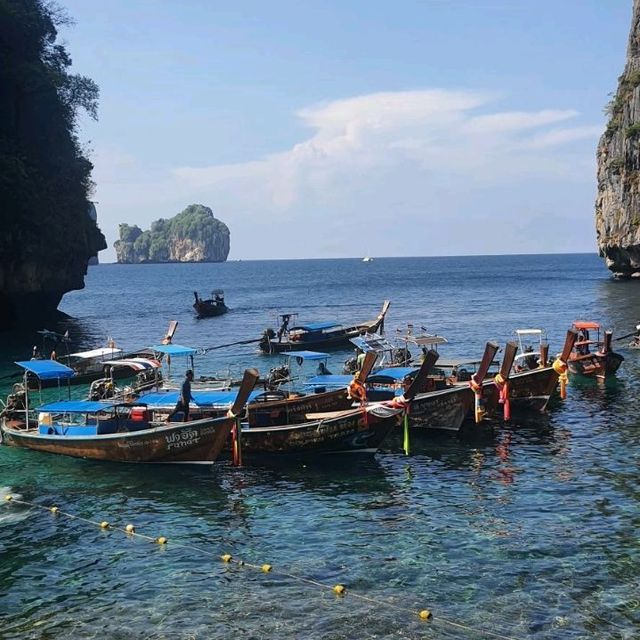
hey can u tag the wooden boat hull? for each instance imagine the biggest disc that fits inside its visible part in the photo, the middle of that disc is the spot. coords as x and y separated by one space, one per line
294 410
199 441
443 410
600 365
210 311
353 431
335 339
528 390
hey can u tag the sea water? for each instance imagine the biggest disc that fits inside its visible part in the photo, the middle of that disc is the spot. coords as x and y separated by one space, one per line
530 531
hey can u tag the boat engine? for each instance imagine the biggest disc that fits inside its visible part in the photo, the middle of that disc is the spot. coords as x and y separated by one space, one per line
16 399
401 356
267 337
147 379
277 376
350 366
101 389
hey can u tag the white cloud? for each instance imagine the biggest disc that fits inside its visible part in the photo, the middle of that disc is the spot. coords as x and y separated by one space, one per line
435 131
429 160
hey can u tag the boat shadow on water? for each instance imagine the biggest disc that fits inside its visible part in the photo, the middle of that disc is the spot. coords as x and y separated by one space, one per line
328 474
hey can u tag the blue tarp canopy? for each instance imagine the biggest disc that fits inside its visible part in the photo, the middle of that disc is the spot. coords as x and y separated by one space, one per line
202 398
174 349
75 406
315 326
307 355
329 381
47 369
392 374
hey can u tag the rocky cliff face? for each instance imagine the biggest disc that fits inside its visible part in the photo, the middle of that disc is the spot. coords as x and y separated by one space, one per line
42 260
46 236
93 214
618 199
194 235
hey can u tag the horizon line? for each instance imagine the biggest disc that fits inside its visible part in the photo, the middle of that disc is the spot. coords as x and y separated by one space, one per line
462 255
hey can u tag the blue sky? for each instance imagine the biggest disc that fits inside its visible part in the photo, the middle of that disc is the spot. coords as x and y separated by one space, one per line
337 128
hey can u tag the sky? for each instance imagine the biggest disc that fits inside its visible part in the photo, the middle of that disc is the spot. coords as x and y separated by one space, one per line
340 128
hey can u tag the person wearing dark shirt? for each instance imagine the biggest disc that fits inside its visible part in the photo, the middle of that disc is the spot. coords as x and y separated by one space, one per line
184 398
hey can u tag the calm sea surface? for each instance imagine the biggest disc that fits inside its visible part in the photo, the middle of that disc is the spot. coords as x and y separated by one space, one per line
532 531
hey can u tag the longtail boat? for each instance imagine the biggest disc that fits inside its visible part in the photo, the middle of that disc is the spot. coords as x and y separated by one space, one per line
355 430
531 381
212 307
264 408
115 432
593 356
97 363
316 335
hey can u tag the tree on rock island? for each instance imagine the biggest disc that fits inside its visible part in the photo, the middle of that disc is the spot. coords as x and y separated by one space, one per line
194 235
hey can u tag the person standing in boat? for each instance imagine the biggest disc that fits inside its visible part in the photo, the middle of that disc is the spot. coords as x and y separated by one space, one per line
184 398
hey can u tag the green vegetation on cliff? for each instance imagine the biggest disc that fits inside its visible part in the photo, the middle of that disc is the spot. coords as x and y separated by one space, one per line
194 235
45 178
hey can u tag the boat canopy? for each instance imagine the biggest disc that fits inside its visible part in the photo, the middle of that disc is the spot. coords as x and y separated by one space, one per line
426 340
137 364
202 398
307 355
75 406
372 342
47 369
174 350
329 381
586 324
96 353
394 374
529 332
315 326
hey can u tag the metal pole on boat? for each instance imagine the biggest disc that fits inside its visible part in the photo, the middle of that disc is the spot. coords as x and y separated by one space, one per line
26 400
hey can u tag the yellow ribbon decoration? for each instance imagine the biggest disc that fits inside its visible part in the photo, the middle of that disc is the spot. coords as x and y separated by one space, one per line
561 368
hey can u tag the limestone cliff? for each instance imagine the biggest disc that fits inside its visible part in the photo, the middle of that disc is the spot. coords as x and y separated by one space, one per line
47 237
618 199
93 214
194 235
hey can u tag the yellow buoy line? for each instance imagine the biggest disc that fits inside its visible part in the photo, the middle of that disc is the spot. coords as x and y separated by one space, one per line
227 558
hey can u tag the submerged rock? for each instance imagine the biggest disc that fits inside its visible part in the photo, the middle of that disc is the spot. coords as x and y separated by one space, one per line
194 235
618 198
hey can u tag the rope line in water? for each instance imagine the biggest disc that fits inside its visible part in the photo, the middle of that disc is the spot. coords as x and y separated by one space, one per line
338 589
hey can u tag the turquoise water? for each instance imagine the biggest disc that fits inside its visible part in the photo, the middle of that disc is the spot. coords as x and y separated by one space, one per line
528 532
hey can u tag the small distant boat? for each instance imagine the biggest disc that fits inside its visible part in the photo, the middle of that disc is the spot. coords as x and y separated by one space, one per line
367 259
215 306
593 356
317 336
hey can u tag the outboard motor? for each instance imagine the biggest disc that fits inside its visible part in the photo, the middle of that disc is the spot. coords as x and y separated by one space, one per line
401 356
277 376
531 361
101 389
350 366
16 400
265 341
